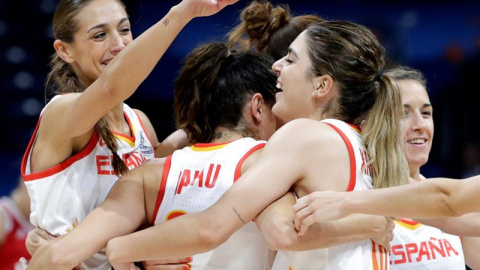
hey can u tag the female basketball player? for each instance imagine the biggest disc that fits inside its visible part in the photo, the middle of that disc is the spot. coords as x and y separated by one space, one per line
306 153
86 136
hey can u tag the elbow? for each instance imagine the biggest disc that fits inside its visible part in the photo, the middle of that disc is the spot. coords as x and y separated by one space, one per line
112 88
447 201
279 235
113 253
211 235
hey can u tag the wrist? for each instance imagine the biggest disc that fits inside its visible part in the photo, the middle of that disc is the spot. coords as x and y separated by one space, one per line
181 13
61 257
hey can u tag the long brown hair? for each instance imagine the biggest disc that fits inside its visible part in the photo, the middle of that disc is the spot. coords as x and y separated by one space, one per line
269 29
213 87
63 79
354 58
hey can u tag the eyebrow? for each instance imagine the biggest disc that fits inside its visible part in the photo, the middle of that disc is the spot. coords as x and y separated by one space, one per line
292 52
104 24
425 105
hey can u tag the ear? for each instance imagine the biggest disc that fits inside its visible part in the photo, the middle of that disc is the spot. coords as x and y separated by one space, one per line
63 50
323 86
256 107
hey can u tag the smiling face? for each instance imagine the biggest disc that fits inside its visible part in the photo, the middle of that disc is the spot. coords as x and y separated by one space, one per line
103 31
417 124
295 81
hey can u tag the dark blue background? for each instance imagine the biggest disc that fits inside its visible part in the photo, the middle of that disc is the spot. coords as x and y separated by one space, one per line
442 38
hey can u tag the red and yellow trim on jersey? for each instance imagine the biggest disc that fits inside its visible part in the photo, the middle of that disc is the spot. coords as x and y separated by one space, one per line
408 223
59 167
351 153
379 257
357 128
163 184
126 138
203 147
238 169
174 214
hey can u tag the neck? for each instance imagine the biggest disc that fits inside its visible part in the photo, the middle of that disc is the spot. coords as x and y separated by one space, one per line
415 174
117 121
223 135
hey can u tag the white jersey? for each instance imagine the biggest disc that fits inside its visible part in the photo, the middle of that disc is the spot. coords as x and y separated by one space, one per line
359 255
194 178
418 246
63 195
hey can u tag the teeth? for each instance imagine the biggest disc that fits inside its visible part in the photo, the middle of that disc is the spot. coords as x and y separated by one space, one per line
278 86
417 141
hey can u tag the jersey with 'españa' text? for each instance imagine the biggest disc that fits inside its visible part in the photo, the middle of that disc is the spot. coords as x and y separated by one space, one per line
418 246
194 178
63 195
364 254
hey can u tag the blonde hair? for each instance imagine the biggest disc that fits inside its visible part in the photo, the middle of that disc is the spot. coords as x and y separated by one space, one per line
353 57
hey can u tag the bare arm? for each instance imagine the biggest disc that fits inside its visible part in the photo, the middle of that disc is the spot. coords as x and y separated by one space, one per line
80 113
465 225
471 246
426 199
276 223
203 231
122 212
176 140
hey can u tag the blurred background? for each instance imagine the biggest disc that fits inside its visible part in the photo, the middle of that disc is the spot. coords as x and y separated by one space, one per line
441 38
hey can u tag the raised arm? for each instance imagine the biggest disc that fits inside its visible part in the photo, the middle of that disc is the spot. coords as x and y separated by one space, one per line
125 72
426 199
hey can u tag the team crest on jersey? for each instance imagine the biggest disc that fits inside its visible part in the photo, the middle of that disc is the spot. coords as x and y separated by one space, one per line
145 149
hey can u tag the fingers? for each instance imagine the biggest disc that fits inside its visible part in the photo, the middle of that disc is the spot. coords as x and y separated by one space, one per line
169 267
386 235
125 266
36 238
168 264
23 263
303 218
167 261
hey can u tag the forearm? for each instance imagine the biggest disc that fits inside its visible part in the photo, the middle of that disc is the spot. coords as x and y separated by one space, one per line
180 237
130 68
471 246
121 213
92 235
427 199
353 228
326 234
466 225
277 227
176 140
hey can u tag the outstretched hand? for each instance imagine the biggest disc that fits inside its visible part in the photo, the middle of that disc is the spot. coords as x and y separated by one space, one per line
319 206
202 8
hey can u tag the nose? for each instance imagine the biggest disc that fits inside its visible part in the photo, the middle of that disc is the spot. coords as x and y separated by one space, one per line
277 66
419 122
117 43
